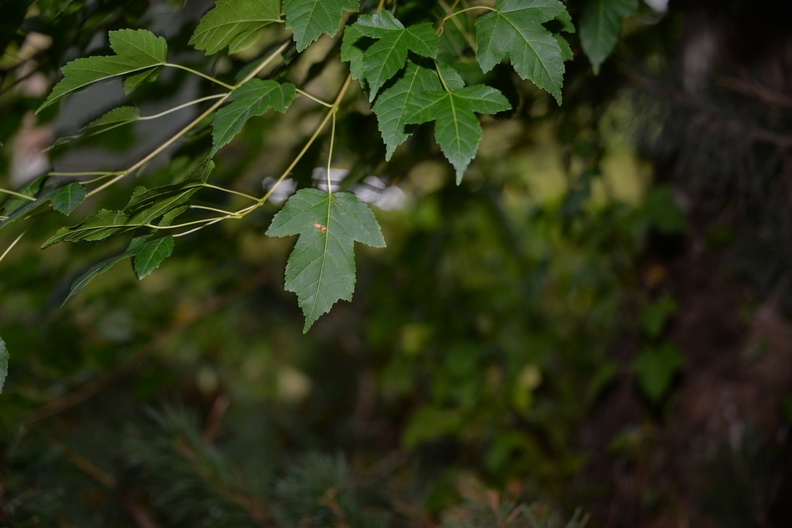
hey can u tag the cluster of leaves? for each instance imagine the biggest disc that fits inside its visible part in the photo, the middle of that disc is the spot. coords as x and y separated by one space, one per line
399 68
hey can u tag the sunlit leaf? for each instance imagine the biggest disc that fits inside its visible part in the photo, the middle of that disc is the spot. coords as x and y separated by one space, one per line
67 198
251 99
600 24
514 30
308 19
234 23
321 268
136 50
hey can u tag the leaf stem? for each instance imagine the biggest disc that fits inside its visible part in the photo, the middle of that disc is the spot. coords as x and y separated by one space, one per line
14 243
330 150
213 209
314 99
455 13
18 195
229 191
192 123
77 174
196 72
310 142
264 63
180 107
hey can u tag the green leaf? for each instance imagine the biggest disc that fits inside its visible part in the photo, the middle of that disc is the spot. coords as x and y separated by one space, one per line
457 129
151 255
383 59
13 203
515 31
67 198
114 118
15 208
400 101
251 99
3 364
98 226
136 245
132 82
655 368
146 207
600 23
136 50
351 53
321 269
234 23
308 19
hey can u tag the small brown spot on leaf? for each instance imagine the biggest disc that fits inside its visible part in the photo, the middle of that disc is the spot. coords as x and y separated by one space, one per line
321 228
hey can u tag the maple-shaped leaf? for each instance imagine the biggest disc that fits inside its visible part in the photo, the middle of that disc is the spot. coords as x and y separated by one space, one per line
308 19
600 23
321 268
514 30
234 23
383 59
400 100
457 128
351 53
251 99
136 50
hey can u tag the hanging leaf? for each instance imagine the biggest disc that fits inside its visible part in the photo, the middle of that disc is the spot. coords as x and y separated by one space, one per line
400 101
308 19
67 198
353 54
3 364
457 129
387 56
132 82
234 23
251 99
136 245
150 256
515 31
114 118
600 24
136 50
321 269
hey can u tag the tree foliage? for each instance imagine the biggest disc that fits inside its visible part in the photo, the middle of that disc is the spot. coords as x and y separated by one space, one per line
486 321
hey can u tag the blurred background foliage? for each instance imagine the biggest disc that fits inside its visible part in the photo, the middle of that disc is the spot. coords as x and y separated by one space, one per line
517 353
